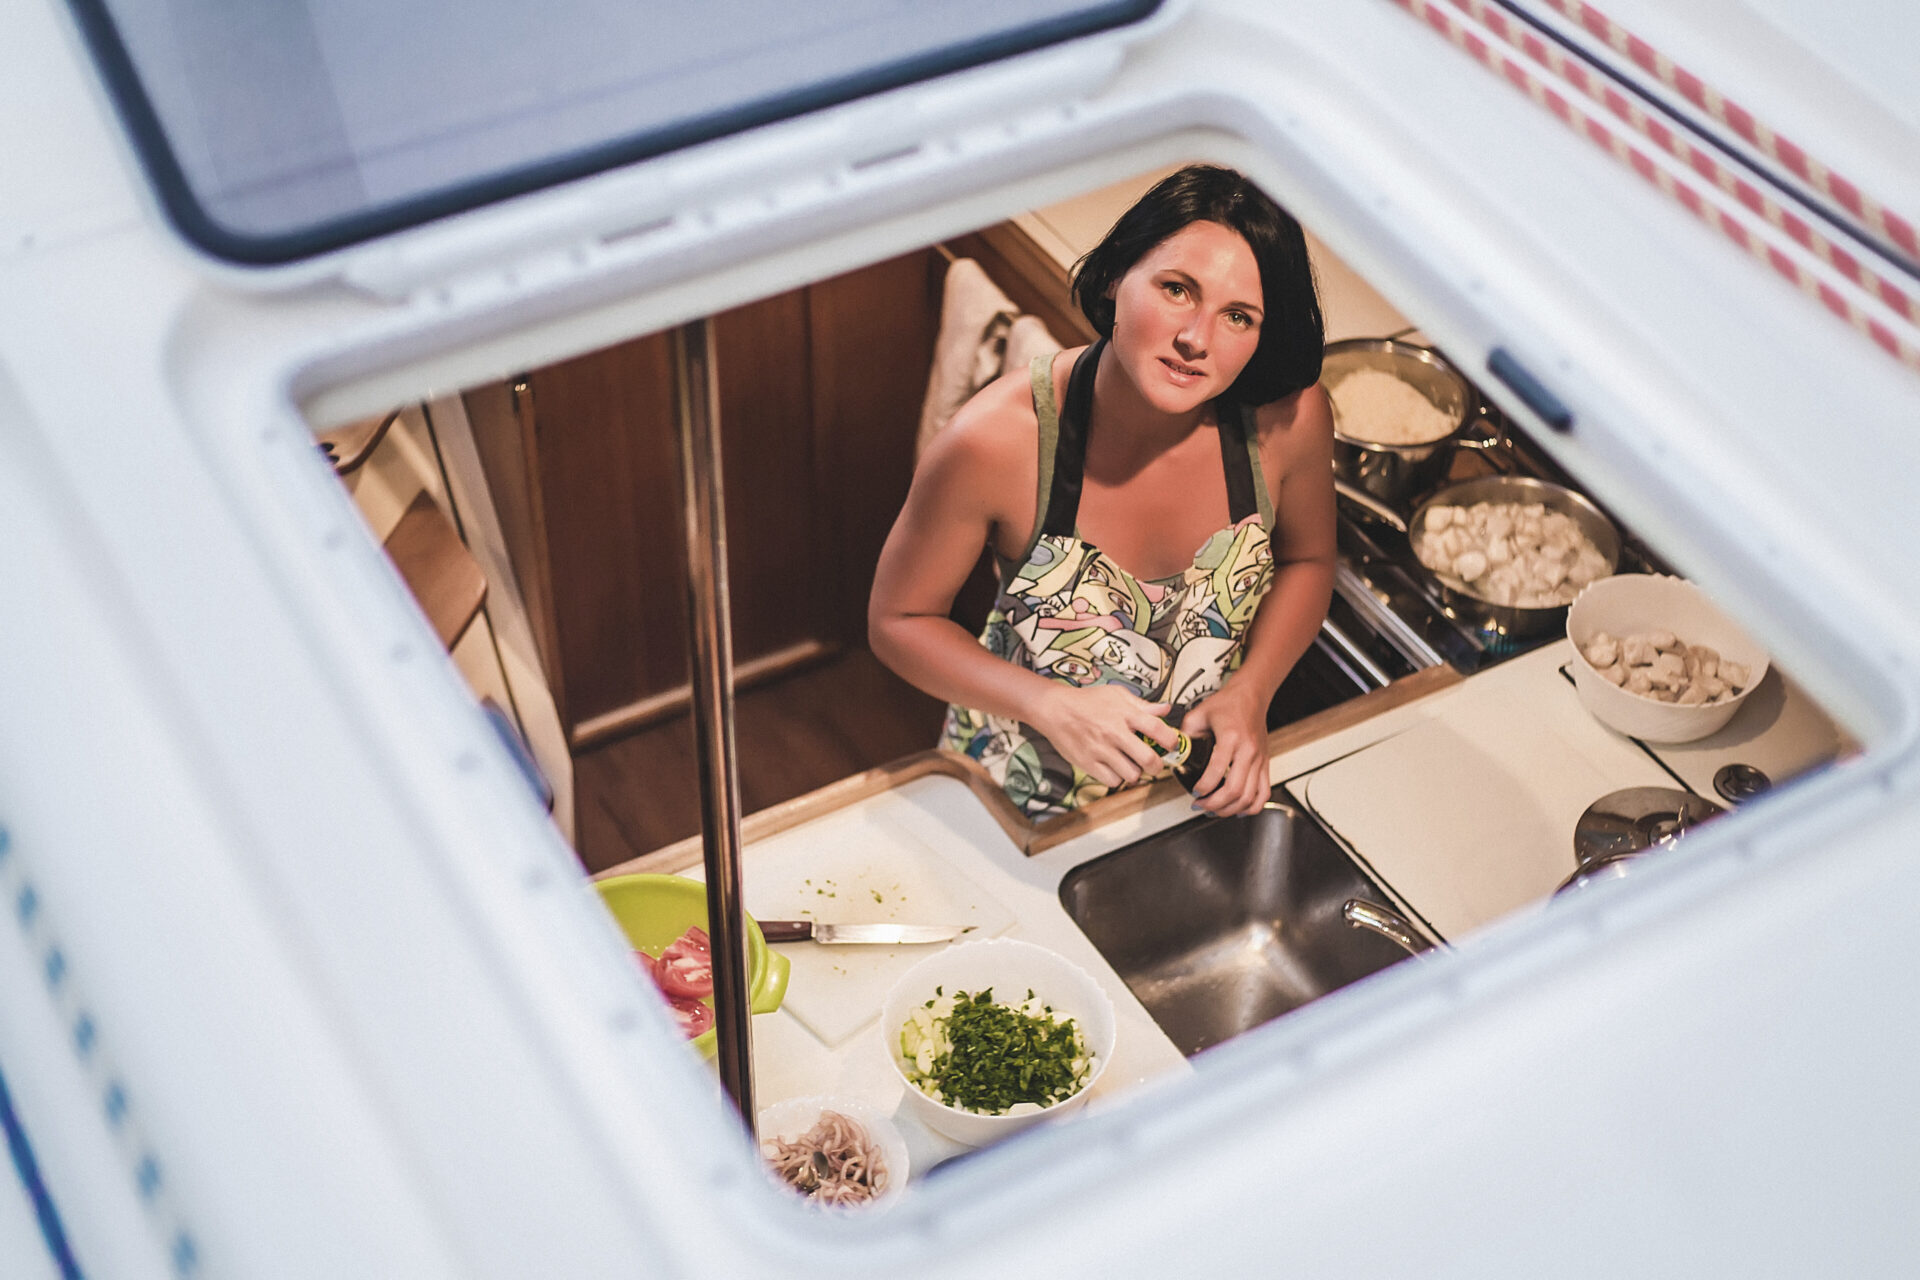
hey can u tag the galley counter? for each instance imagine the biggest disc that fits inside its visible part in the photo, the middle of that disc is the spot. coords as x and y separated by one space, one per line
1458 796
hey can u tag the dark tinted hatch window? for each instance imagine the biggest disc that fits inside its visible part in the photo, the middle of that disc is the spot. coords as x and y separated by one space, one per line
282 128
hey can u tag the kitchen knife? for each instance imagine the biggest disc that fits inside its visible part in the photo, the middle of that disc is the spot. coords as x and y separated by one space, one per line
820 931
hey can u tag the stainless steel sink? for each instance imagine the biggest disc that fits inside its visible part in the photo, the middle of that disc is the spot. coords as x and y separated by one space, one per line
1221 924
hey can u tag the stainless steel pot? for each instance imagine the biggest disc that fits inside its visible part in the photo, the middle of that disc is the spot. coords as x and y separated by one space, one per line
1620 826
1502 619
1507 619
1397 473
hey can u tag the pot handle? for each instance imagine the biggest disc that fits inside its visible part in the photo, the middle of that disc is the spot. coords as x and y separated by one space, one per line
1490 434
1371 505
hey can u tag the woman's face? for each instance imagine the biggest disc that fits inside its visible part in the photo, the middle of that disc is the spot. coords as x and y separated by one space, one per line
1187 316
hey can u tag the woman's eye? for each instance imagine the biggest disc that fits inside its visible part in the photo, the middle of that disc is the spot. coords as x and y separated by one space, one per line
1240 319
1175 289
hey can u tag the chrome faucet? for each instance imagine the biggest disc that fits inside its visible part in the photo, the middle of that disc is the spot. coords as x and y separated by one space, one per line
1388 923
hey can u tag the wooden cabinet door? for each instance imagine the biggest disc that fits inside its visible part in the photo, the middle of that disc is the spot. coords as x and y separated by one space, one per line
820 392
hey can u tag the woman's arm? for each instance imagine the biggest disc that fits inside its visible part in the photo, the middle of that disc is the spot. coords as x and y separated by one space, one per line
1296 447
976 481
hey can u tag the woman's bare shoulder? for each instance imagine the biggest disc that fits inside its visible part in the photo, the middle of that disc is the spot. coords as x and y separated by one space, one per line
1301 423
987 459
995 433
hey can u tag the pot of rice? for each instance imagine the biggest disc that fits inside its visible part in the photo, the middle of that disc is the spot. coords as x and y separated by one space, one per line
1399 412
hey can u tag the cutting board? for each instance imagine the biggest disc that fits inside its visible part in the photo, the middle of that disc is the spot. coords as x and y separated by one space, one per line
1470 814
849 869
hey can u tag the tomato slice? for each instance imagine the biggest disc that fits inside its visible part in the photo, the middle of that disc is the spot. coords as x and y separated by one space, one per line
692 1016
688 976
686 967
694 939
648 965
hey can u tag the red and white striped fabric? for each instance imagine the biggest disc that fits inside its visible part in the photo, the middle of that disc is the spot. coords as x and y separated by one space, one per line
1883 223
1875 304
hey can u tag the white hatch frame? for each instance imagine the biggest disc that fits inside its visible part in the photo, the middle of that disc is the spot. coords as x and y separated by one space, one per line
371 1023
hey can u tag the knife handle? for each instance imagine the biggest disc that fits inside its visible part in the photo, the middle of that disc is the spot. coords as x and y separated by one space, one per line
787 930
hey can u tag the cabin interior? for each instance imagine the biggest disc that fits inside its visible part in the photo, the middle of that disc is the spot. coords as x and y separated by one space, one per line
537 520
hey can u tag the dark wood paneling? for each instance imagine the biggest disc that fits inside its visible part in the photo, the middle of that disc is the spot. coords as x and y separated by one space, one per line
640 793
873 334
767 442
603 429
504 440
748 673
820 392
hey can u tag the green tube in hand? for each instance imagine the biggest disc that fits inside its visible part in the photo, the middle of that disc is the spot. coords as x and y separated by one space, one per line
1188 757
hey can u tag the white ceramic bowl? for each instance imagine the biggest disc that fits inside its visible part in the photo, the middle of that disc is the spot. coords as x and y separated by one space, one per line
1009 967
788 1120
1633 602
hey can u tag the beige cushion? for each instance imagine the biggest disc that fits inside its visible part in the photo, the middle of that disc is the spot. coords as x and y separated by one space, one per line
967 354
982 335
1027 337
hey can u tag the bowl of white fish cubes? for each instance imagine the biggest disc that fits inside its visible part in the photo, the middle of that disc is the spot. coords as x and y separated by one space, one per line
1657 661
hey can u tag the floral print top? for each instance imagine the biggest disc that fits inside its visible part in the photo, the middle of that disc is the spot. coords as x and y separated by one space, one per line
1070 613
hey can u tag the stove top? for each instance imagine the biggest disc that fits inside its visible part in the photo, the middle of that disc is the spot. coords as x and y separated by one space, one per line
1381 579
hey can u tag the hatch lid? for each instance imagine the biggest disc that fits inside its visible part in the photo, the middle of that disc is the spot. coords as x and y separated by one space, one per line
275 133
1815 98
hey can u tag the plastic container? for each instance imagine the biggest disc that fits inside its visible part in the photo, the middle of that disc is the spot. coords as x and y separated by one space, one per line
1011 968
653 910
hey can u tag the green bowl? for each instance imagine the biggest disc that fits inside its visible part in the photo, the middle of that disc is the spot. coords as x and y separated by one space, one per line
654 910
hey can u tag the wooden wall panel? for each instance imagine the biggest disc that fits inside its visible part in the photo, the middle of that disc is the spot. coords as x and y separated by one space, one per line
774 552
502 438
820 392
603 427
873 334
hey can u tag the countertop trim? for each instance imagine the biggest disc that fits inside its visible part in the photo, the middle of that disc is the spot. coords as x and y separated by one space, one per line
1028 836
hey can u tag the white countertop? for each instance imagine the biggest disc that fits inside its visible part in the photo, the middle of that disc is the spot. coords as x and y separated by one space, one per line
1470 813
1529 740
939 814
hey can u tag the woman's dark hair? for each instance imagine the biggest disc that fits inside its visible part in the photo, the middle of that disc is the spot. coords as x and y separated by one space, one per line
1291 332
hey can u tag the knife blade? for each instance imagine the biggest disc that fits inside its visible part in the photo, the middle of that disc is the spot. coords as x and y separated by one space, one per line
836 934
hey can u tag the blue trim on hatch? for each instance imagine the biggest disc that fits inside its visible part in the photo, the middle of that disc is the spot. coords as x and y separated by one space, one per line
51 1229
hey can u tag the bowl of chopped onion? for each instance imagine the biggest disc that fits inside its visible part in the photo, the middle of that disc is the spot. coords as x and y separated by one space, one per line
837 1152
994 1036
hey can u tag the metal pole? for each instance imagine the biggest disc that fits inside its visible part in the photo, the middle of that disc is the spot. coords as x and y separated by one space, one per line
697 397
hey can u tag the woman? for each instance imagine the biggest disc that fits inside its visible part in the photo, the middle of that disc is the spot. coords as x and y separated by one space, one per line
1194 422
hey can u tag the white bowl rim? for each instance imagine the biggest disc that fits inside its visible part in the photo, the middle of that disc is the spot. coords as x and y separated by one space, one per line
1762 661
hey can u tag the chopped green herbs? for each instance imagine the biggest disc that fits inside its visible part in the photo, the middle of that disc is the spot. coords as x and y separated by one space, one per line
971 1053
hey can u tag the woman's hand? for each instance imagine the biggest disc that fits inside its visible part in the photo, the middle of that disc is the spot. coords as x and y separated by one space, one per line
1095 728
1235 782
1296 451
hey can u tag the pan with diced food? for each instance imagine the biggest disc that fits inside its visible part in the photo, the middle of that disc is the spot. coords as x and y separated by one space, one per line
1511 552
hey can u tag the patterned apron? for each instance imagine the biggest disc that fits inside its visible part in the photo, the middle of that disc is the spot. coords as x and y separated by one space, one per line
1070 613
